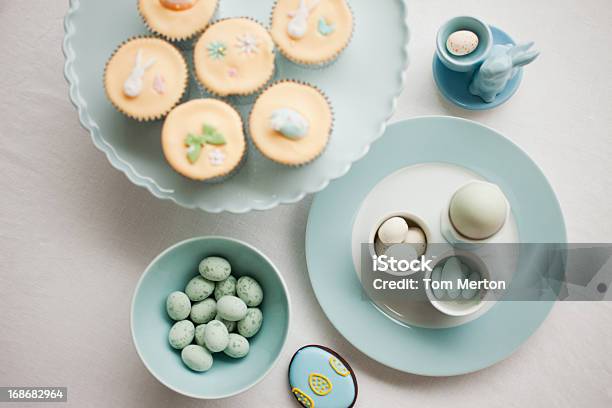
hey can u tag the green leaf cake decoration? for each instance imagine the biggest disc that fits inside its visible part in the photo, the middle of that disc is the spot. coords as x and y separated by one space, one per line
210 135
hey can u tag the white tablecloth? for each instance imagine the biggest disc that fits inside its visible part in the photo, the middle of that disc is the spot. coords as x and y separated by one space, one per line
76 234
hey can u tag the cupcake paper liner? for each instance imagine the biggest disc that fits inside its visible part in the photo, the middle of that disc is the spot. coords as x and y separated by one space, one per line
236 96
146 118
318 65
184 41
331 128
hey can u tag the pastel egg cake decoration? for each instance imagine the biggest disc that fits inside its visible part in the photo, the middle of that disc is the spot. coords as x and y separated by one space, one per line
320 378
234 56
203 139
145 78
291 122
177 20
312 32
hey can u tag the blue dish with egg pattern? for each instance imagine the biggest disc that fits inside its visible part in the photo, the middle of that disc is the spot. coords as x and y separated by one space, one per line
321 378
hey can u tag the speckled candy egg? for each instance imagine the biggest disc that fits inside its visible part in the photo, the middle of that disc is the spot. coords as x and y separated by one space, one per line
197 358
320 378
250 325
204 311
199 288
393 231
231 326
226 287
178 305
416 238
462 42
249 291
199 334
237 347
215 268
231 308
181 334
216 336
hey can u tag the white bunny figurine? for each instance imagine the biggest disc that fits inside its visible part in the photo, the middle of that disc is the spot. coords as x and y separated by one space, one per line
499 67
299 19
132 86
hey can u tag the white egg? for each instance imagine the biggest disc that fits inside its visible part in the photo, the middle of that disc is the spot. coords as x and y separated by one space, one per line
478 210
416 238
462 43
393 231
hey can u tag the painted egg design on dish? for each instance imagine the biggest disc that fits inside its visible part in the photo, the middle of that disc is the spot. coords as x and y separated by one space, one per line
319 377
319 384
302 398
338 367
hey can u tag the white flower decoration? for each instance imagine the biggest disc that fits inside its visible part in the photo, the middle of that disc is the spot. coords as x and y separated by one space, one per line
216 157
247 44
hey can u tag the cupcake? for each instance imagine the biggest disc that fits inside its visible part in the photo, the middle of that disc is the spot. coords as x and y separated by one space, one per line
234 56
311 32
145 78
203 139
291 122
177 20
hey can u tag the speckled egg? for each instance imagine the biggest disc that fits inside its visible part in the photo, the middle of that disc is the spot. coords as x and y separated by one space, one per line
197 358
249 291
237 347
231 308
393 231
226 287
178 305
462 42
199 334
216 336
250 325
231 326
215 268
181 334
416 238
199 288
204 311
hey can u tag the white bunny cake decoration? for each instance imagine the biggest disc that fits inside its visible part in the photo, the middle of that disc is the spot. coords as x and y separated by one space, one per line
298 25
132 87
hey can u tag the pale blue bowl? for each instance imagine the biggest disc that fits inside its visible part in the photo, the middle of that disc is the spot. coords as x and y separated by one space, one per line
170 271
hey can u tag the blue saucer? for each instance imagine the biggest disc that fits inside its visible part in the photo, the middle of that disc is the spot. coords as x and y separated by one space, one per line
454 85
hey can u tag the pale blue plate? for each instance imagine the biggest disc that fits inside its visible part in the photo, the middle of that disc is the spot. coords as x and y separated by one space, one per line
363 86
434 352
454 85
171 271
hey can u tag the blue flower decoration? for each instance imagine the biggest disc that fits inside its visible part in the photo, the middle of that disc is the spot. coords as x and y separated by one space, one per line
216 50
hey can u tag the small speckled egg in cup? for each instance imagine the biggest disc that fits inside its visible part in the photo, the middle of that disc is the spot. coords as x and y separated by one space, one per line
312 33
237 363
400 232
234 56
291 123
145 78
203 140
177 20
